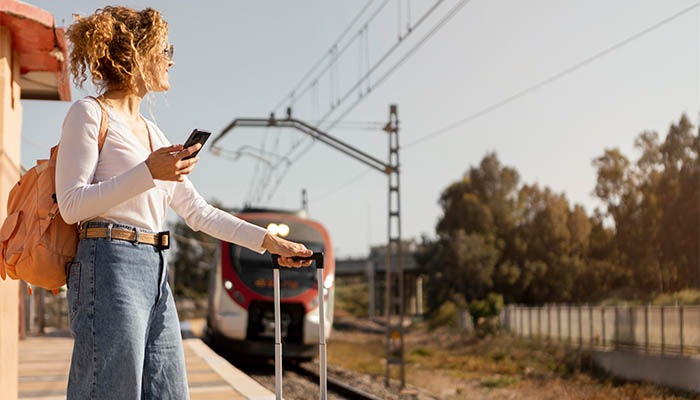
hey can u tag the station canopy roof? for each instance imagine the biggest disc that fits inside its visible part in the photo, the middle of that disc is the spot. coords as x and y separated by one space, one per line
41 48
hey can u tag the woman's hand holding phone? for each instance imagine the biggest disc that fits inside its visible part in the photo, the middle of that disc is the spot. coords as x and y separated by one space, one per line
172 163
169 163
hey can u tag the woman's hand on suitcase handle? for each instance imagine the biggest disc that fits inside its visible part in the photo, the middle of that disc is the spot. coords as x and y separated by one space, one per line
286 250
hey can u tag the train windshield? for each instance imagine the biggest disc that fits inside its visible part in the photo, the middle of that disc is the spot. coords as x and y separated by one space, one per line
247 262
255 270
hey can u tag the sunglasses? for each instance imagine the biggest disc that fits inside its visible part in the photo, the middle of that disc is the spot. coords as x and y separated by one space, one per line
168 51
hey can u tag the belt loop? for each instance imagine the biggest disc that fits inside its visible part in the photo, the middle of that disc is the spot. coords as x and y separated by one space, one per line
109 231
137 237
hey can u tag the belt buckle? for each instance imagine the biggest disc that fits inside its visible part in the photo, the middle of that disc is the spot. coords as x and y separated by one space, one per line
163 240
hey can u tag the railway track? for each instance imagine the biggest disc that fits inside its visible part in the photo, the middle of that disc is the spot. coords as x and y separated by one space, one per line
300 380
334 386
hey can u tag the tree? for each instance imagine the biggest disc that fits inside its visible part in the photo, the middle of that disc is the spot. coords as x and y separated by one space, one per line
477 215
530 245
655 206
193 259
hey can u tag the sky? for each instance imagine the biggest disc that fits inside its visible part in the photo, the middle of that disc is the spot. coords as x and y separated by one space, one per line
547 85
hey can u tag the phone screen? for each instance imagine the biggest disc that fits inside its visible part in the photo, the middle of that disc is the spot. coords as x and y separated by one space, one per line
196 136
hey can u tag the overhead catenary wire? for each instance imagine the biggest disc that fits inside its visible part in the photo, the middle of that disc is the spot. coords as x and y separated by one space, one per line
320 61
458 7
551 79
344 184
526 91
384 57
335 97
424 17
337 53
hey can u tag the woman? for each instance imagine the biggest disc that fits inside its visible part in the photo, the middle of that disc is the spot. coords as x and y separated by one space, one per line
122 313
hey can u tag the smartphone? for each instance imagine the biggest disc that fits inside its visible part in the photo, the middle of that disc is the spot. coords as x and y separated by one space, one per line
196 136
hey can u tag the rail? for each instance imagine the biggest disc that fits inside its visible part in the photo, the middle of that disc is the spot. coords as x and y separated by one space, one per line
335 386
651 329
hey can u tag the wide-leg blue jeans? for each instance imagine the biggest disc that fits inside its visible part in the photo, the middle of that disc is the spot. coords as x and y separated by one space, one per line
123 319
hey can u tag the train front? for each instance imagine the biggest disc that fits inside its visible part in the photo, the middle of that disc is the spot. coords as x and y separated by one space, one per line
241 315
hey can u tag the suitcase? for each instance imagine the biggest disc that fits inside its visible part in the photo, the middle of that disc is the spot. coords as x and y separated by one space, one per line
318 257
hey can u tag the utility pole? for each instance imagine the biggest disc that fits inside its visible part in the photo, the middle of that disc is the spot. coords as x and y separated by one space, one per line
393 294
394 285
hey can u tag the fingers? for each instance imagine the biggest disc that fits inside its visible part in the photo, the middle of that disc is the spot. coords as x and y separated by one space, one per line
189 151
286 250
166 163
295 250
185 166
169 149
289 262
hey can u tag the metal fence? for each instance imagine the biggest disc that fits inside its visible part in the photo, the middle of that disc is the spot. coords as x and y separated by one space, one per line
653 329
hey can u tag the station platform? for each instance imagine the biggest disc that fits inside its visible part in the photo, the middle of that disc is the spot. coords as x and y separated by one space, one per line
44 363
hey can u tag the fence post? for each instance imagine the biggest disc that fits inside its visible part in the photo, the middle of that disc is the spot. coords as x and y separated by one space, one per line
646 328
680 315
663 330
549 323
590 325
511 318
539 322
602 320
522 322
631 331
616 326
580 328
529 322
568 322
558 321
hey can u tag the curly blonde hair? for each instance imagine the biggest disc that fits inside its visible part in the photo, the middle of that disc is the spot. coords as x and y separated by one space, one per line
116 45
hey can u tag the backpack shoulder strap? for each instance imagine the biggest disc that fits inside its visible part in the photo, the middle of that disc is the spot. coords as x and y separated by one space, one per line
103 124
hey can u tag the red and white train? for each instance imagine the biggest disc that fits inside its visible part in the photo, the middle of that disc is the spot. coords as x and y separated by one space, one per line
241 317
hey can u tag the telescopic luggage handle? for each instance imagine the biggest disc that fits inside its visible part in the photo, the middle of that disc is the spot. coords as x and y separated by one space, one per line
318 257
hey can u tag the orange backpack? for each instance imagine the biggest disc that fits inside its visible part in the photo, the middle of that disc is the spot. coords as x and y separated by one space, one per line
35 243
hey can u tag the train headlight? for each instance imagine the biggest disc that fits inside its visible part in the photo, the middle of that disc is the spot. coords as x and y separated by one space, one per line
278 229
328 282
228 285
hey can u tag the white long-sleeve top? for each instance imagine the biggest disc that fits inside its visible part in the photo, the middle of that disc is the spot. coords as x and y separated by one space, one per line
115 185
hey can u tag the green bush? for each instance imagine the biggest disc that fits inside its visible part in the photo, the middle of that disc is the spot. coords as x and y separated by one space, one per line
445 315
485 313
352 298
499 382
421 351
684 297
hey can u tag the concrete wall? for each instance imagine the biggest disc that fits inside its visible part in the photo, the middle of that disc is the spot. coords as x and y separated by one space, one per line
669 370
10 129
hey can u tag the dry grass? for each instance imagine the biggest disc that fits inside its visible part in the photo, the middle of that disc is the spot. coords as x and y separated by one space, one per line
452 366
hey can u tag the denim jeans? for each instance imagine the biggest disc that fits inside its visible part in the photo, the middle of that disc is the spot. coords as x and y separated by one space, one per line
123 319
